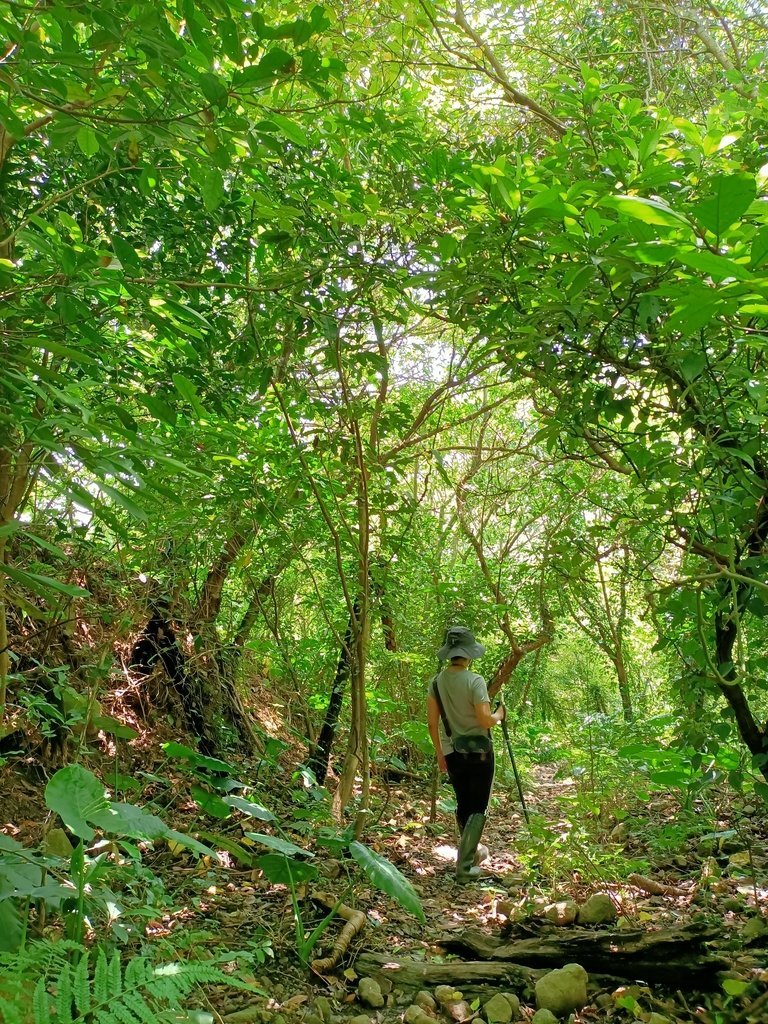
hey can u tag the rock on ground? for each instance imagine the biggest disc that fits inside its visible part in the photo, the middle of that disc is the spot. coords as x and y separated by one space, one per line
544 1017
562 913
562 990
369 992
598 909
497 1010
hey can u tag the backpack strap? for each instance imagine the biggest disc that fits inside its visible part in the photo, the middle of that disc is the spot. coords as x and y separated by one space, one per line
443 715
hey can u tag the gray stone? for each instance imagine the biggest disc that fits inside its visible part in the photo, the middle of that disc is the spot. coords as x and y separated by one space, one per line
620 832
562 990
543 1017
514 1002
416 1015
497 1010
323 1009
562 913
425 1000
445 994
598 909
369 992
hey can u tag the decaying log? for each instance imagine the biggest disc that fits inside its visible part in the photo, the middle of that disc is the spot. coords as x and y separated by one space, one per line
406 973
670 955
356 921
657 888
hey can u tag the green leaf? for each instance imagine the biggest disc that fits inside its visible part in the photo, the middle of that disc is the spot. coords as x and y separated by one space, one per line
386 877
114 727
717 267
212 189
759 249
75 794
290 129
159 409
281 845
282 871
649 211
210 803
124 501
735 987
126 254
179 750
188 392
11 928
88 141
732 195
249 808
43 585
221 842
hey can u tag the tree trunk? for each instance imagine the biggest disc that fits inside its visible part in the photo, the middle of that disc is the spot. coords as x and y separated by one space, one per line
209 603
318 762
624 689
158 642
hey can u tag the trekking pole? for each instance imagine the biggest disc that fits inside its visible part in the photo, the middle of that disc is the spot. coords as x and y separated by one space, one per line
505 730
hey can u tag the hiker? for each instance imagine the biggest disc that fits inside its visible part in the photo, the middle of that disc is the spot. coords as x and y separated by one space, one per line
459 717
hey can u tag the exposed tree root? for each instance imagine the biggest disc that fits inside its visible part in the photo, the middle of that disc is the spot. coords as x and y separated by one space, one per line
356 921
657 888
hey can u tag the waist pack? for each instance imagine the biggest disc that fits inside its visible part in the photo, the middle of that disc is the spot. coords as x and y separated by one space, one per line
477 744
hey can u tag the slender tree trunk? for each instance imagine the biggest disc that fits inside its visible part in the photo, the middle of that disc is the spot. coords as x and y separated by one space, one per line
624 688
318 762
209 603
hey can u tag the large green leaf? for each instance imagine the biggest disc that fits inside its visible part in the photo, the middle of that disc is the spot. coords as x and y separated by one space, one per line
281 845
732 195
386 877
650 211
285 871
41 585
249 808
76 795
11 927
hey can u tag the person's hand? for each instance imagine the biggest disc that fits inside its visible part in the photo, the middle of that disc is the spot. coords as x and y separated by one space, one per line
441 762
501 713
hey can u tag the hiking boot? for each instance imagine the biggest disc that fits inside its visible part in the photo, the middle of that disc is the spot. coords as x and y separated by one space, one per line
466 871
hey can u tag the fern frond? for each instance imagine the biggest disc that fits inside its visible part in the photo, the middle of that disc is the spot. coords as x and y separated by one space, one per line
64 996
139 1008
114 976
41 1004
9 1012
81 988
101 978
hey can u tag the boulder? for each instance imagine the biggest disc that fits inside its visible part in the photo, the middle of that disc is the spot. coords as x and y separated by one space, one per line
497 1010
446 994
598 909
425 1000
415 1015
369 992
514 1002
562 990
561 913
544 1017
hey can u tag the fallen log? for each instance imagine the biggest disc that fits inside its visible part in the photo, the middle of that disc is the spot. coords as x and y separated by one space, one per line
670 955
406 973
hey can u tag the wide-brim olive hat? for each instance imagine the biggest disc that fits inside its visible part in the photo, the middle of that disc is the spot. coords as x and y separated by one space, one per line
460 643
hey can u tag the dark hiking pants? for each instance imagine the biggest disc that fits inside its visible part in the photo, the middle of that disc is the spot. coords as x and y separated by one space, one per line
471 776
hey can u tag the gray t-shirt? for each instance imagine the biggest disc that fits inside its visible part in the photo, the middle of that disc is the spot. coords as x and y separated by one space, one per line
460 691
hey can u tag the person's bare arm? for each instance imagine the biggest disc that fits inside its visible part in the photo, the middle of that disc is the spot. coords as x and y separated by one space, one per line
485 718
433 721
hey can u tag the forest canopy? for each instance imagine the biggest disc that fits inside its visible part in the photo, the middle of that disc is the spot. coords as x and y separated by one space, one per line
326 327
